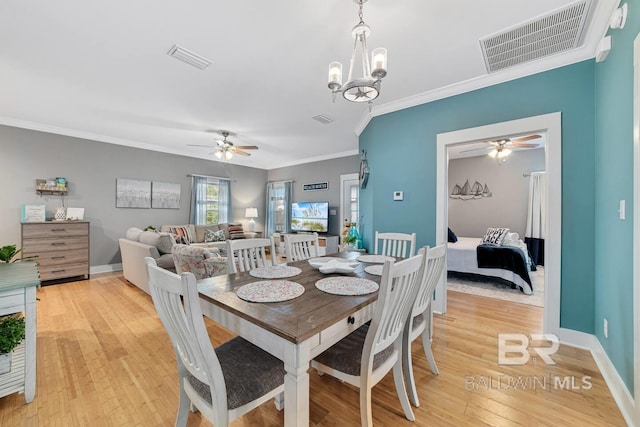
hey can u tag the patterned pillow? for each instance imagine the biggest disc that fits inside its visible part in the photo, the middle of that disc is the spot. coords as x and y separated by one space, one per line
495 236
183 234
236 231
214 236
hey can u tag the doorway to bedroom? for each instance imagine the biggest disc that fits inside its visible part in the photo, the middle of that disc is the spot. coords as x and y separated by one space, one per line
497 184
549 125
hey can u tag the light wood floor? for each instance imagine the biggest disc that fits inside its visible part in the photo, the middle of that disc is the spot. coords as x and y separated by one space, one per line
104 359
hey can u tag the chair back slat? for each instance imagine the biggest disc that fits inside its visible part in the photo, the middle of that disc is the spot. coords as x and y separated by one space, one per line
301 246
176 300
399 245
434 267
395 299
247 254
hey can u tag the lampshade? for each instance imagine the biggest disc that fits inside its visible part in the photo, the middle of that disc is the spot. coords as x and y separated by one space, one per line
251 213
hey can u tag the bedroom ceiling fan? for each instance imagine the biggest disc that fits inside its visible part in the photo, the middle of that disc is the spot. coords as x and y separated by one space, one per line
501 148
226 149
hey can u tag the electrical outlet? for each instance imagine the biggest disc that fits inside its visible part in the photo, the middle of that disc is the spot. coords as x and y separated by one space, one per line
605 328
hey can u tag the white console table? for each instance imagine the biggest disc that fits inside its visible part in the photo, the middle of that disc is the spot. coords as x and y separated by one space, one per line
18 283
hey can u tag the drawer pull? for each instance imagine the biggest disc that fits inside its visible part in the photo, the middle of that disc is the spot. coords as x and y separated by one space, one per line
58 229
58 271
351 320
58 257
58 244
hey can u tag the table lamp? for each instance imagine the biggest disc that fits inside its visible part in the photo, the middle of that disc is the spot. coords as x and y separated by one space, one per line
251 213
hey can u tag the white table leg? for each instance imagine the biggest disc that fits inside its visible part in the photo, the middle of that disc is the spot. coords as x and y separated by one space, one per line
296 386
30 344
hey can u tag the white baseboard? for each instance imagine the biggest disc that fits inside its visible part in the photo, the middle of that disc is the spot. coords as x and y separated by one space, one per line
108 268
618 388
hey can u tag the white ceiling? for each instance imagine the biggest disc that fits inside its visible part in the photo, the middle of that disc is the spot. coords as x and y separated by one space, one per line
99 69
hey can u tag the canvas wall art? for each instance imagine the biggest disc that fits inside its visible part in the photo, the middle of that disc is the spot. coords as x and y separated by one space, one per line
133 193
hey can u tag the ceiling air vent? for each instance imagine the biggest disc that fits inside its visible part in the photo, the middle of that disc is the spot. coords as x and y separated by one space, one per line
543 36
189 57
324 119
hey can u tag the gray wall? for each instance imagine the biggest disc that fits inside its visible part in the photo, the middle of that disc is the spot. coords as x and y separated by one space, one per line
326 170
91 169
508 205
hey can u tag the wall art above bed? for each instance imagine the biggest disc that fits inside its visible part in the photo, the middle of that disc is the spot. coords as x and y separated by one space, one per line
470 192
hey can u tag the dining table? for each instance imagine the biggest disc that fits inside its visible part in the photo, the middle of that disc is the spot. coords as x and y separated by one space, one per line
296 330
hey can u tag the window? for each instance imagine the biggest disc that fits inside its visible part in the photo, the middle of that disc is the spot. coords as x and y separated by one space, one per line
353 211
210 200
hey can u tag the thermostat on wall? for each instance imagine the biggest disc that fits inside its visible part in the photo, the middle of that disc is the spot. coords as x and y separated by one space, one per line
398 195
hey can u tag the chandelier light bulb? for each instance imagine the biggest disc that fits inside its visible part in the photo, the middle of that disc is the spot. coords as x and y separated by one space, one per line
379 63
335 76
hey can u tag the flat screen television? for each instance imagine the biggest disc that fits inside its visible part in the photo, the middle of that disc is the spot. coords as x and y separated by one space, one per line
310 216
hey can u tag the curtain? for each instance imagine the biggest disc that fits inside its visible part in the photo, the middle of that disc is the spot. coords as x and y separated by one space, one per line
198 212
278 207
536 219
224 201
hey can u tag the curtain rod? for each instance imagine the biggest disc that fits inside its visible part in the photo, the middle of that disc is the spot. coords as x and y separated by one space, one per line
531 173
281 180
208 176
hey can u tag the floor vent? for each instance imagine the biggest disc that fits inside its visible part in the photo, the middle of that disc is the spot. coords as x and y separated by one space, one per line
322 118
543 36
189 57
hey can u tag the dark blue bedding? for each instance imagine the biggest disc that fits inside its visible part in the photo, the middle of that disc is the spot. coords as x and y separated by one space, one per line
504 257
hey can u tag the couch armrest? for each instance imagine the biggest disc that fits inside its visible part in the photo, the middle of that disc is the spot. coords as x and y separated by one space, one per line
133 267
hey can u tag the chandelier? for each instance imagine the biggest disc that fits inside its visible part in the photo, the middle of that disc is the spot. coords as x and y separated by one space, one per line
366 88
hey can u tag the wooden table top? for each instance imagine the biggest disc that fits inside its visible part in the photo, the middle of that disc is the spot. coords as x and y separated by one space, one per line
295 320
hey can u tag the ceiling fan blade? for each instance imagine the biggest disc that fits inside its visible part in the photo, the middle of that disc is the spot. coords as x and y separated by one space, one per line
198 145
526 138
524 145
246 147
240 152
476 149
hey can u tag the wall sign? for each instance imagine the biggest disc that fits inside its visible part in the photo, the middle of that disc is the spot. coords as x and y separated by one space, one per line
316 186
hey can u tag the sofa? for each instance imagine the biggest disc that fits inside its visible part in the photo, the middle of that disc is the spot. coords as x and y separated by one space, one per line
138 244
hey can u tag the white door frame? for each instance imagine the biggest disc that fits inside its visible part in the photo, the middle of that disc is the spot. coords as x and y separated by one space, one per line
343 178
552 125
636 223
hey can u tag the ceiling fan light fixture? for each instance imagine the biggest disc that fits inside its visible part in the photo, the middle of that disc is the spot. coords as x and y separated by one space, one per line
503 153
493 153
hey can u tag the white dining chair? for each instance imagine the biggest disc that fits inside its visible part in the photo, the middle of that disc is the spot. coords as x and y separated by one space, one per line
222 383
419 321
247 254
395 244
300 246
366 355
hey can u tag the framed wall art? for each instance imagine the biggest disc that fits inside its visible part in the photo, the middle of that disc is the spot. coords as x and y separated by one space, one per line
133 193
165 195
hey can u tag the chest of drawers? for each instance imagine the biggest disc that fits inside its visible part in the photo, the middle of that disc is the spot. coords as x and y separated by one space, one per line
62 248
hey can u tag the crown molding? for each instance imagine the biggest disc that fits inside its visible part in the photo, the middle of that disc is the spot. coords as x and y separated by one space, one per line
597 29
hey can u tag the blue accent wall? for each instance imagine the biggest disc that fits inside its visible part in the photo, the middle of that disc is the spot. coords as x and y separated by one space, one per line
401 150
614 182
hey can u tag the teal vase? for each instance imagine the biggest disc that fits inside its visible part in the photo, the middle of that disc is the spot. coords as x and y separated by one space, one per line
353 232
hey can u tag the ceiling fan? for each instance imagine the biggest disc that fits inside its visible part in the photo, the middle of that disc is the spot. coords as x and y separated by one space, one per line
226 149
501 148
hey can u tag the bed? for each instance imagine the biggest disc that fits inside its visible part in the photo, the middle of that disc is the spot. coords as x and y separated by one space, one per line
510 263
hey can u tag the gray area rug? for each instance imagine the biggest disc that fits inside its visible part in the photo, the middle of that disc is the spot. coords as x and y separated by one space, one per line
494 287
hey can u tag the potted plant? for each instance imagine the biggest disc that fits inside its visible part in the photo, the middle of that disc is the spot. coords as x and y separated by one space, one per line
12 332
8 253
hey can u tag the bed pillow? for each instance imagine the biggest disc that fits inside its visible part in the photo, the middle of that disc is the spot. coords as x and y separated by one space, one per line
452 238
511 239
494 236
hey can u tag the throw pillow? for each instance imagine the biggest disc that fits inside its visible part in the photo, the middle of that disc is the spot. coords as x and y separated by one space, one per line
236 231
214 236
452 238
162 241
183 234
494 236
